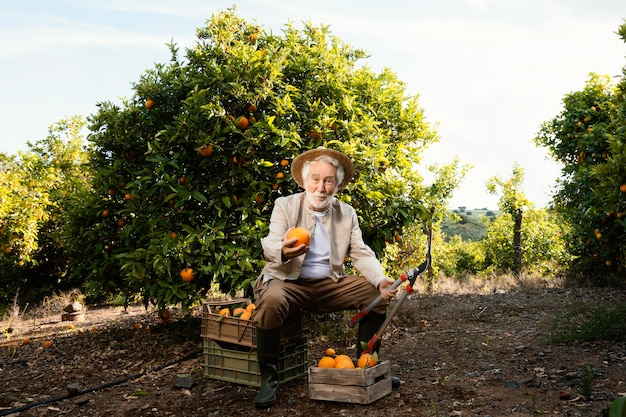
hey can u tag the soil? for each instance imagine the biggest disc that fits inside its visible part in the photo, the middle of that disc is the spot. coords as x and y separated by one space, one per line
457 354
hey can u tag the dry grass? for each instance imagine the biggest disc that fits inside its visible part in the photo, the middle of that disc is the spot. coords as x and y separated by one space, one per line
49 310
486 285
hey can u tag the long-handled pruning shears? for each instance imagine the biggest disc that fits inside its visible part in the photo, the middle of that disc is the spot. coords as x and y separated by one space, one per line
410 276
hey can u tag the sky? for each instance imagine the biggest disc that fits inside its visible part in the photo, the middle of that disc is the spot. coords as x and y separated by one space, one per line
488 73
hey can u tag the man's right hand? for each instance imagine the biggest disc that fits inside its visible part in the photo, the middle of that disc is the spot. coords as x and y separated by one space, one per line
292 252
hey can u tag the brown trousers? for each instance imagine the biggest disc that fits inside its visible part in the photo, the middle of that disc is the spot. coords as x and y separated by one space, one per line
277 299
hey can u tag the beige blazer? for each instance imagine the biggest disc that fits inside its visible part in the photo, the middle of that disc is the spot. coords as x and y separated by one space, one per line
346 240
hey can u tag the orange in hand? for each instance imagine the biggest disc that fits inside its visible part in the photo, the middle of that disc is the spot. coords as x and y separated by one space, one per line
301 234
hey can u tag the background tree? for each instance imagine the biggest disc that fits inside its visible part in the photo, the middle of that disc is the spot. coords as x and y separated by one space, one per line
542 248
186 172
587 138
36 188
407 249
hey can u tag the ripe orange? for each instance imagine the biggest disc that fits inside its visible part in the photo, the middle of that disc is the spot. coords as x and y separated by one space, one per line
242 123
622 188
280 175
225 312
275 186
344 361
105 213
238 311
330 352
250 306
367 361
121 222
314 134
300 233
246 315
326 362
173 235
46 344
284 163
206 150
164 315
111 191
187 275
26 341
252 108
128 197
149 103
599 235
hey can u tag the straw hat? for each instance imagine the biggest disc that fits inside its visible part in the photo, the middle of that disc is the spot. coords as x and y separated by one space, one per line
314 154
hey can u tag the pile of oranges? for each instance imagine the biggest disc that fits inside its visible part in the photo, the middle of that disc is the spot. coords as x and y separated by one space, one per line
332 360
239 312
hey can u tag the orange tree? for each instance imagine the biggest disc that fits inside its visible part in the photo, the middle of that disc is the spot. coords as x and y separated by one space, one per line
186 171
588 139
36 187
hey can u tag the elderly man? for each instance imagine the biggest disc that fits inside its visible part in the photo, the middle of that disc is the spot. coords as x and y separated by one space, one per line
313 277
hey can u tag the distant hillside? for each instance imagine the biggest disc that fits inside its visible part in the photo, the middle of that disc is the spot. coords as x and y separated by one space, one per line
471 225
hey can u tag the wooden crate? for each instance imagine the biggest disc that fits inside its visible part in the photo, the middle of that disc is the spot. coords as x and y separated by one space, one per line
359 386
239 331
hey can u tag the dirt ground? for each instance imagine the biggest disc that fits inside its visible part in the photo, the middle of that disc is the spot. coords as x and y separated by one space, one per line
458 354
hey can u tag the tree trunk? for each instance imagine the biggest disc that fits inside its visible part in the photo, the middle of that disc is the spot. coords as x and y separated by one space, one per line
517 244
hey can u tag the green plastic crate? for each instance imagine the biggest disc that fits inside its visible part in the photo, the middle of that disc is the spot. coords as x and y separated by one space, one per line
238 364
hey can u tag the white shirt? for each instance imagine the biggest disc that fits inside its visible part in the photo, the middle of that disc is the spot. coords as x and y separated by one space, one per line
317 260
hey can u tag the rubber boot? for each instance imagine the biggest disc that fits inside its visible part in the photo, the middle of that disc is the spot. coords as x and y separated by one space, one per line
268 355
367 328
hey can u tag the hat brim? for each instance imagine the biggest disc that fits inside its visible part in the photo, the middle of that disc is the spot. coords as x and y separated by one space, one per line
312 155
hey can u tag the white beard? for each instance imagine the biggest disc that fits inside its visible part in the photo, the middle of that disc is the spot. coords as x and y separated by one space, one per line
318 201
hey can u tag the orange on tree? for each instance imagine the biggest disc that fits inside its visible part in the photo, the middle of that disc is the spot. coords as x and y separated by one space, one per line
128 197
301 234
280 175
187 274
622 188
326 362
149 103
252 108
206 150
105 213
284 163
242 123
